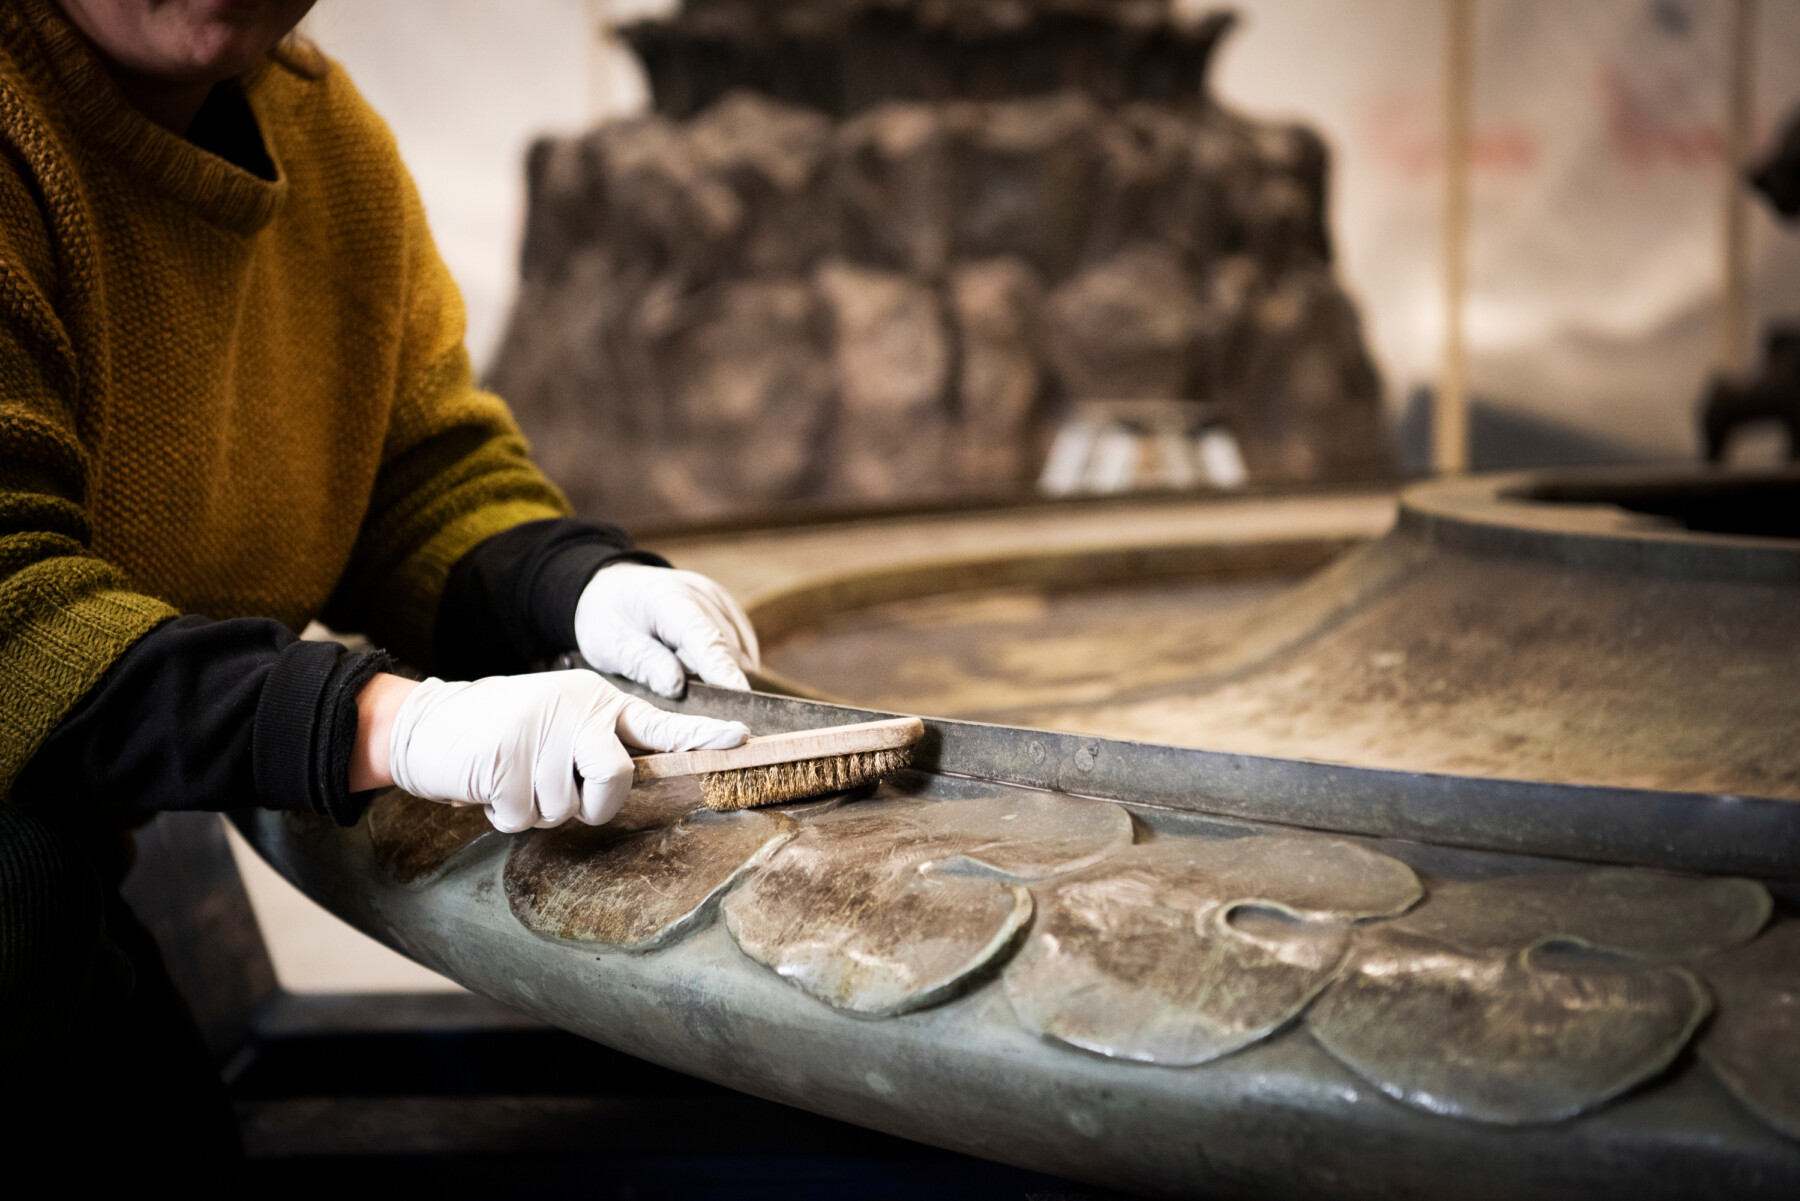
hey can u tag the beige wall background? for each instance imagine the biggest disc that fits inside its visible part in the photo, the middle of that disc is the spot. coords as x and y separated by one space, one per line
1596 189
1598 129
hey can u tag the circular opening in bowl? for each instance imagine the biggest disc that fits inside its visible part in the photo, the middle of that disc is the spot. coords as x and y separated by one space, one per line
1758 506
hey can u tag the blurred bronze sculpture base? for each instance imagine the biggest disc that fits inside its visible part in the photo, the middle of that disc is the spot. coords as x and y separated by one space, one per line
875 252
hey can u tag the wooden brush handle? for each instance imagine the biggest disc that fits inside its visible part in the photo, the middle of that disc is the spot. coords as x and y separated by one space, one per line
785 748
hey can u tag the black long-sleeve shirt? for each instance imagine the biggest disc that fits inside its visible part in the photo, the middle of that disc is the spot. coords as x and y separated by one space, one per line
210 715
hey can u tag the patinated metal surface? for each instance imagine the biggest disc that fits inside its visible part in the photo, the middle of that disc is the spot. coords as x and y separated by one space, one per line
1477 664
1731 834
789 576
985 654
1652 917
416 841
1488 634
643 879
1278 1117
893 904
1502 1038
1754 1041
1519 992
1532 998
1182 950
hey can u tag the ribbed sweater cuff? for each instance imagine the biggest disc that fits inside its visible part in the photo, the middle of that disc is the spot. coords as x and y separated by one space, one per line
305 730
75 637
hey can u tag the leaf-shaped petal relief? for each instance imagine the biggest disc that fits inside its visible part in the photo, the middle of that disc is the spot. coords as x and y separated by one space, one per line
886 906
1754 1042
417 841
1653 917
1532 998
645 878
1025 836
1502 1038
1185 949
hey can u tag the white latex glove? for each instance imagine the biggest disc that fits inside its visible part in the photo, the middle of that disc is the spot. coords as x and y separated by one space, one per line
516 745
649 622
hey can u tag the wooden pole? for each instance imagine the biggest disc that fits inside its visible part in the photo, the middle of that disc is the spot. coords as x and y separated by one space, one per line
1450 417
1733 354
598 14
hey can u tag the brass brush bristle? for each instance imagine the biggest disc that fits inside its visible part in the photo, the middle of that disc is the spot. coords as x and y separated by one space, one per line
791 766
749 787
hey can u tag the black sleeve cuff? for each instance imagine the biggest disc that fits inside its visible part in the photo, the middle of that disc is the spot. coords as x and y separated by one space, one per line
510 603
286 723
305 730
557 590
209 715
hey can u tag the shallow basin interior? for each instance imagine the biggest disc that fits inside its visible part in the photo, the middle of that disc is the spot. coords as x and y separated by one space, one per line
980 654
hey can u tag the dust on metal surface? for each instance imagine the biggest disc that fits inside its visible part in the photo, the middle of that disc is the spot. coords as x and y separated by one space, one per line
962 1071
644 878
1519 992
1490 633
1729 834
1182 950
892 904
416 841
1532 998
1482 665
1753 1044
1653 917
1502 1038
985 654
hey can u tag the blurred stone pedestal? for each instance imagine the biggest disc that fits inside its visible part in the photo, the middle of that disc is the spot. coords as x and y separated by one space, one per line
873 252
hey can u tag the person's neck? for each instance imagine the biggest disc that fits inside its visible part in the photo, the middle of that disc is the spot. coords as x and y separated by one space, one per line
171 105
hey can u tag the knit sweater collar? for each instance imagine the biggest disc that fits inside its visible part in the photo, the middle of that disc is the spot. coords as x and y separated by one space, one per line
76 83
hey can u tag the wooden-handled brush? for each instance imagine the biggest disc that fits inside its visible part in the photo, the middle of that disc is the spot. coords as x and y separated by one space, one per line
791 767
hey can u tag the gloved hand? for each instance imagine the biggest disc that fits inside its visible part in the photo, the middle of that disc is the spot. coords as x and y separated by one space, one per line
648 622
536 750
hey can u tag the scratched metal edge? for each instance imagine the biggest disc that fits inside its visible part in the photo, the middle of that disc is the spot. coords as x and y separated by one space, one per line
1716 834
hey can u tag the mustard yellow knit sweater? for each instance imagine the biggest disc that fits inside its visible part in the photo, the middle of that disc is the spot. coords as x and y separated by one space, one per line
219 394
